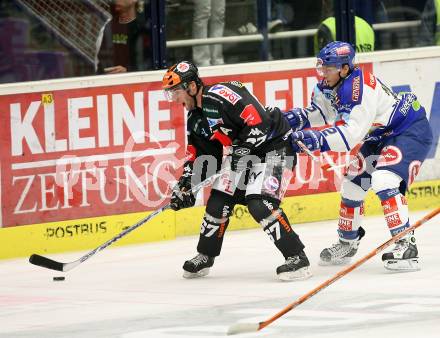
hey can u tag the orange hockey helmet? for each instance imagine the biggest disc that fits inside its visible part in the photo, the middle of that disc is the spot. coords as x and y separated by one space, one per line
180 75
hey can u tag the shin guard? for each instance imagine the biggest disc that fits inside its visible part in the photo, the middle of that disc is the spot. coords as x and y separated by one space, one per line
212 231
278 228
351 215
395 210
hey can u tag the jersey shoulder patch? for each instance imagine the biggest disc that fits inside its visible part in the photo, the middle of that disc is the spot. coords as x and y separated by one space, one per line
225 92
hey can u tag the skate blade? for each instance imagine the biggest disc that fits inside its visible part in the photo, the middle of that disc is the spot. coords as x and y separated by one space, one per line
402 265
300 274
202 273
342 261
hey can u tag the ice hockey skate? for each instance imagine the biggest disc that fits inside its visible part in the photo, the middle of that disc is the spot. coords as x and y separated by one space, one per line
197 266
295 268
341 253
404 256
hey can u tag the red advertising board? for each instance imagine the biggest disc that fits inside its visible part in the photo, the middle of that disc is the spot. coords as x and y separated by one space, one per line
75 153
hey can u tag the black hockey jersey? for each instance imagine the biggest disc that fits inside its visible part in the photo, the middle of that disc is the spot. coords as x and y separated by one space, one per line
230 113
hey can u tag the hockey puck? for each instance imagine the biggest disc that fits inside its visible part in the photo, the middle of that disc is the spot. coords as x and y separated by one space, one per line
56 279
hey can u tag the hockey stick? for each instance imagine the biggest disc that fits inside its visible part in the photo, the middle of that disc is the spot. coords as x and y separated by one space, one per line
327 166
253 327
307 151
58 266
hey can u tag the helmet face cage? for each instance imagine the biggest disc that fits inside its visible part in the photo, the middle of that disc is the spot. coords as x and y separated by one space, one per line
335 54
323 70
171 94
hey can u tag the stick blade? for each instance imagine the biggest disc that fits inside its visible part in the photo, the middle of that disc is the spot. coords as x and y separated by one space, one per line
46 262
238 328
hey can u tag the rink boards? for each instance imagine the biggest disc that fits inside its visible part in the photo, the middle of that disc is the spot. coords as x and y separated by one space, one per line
91 232
82 159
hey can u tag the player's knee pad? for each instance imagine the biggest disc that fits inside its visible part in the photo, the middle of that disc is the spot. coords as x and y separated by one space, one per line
352 191
384 180
261 208
217 199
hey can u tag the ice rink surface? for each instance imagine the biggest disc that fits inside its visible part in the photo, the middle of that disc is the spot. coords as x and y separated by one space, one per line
138 291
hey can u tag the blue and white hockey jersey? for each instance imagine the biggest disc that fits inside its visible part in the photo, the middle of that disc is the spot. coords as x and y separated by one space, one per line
361 108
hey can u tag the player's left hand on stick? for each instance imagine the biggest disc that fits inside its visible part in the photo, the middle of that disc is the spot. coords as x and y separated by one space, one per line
182 196
312 139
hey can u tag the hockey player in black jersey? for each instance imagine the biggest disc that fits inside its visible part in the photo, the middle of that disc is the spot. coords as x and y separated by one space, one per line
259 166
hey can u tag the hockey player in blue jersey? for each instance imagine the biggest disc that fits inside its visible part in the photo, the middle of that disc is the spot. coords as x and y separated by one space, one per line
356 107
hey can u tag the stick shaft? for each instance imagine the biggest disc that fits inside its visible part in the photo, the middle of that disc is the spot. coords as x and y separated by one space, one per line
307 151
345 271
146 219
58 266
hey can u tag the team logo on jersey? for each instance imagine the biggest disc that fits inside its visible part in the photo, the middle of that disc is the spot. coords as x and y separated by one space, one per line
250 116
356 88
413 171
390 155
182 67
271 183
225 92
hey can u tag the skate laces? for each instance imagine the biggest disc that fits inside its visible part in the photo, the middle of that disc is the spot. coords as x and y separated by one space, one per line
401 244
340 249
293 260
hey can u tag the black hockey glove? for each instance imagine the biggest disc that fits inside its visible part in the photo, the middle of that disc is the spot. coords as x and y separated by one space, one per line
182 196
240 159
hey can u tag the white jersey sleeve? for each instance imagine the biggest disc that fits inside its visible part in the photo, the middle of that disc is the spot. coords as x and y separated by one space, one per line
320 112
354 120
